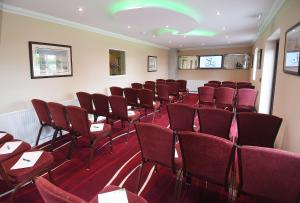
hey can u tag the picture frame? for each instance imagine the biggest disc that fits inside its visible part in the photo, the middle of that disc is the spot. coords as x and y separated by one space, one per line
292 50
50 60
259 58
152 64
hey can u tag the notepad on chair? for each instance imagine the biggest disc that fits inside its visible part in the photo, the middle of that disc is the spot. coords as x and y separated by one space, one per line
97 127
131 113
116 196
176 154
28 159
10 147
2 135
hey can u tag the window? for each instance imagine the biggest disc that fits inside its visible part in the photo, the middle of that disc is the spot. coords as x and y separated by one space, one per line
116 62
211 61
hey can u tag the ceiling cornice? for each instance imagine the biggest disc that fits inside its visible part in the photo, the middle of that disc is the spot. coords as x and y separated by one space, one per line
40 16
217 47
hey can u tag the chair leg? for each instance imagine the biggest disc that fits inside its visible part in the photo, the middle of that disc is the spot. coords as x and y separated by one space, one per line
139 178
95 117
110 143
53 139
50 175
60 133
178 186
39 135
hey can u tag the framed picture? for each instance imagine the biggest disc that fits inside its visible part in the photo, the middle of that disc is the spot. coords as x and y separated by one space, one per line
50 60
152 63
292 50
259 56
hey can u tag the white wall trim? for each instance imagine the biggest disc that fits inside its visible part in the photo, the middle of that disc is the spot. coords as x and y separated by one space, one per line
40 16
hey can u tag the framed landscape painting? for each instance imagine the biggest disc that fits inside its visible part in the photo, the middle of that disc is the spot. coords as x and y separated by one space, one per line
50 60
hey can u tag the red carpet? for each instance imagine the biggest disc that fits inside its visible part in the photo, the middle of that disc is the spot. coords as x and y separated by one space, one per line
120 168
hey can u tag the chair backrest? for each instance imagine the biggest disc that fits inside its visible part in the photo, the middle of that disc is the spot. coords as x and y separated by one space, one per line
78 118
150 82
243 83
182 85
270 173
228 82
131 95
157 143
118 91
85 101
162 92
118 106
149 86
42 111
59 115
206 156
101 104
146 98
249 86
173 88
160 81
224 96
214 85
246 97
206 94
215 81
181 117
51 193
137 85
230 85
170 80
257 129
215 122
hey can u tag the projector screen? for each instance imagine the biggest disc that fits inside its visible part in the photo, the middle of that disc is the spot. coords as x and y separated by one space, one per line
211 61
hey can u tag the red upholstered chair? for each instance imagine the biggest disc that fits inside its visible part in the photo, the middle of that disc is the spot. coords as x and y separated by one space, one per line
52 193
157 146
59 120
163 94
248 86
243 83
206 96
137 85
101 105
181 117
131 95
214 85
269 173
215 81
230 85
119 112
160 81
245 100
150 82
225 98
182 86
215 122
147 102
5 137
43 115
86 101
206 157
257 129
149 86
228 82
81 127
16 178
174 90
118 91
24 146
170 80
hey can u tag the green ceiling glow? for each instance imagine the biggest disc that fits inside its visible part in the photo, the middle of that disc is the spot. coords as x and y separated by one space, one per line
163 4
166 30
198 32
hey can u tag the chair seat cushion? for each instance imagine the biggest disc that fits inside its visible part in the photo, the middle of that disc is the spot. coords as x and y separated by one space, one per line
132 198
6 138
20 149
103 133
242 108
18 175
134 117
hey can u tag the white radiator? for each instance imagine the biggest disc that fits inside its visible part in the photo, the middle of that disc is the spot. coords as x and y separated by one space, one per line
24 124
193 85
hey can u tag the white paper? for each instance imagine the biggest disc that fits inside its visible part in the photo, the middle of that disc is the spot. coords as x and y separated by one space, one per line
131 113
116 196
28 159
96 127
9 147
2 135
176 154
128 107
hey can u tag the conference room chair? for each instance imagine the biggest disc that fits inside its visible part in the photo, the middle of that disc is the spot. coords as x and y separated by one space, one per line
243 83
257 129
160 81
59 120
215 122
81 126
174 90
137 85
131 95
170 80
17 178
118 91
24 146
181 117
120 112
241 86
163 94
228 82
214 85
206 157
225 98
182 87
245 100
147 102
269 175
150 82
206 95
101 106
230 85
5 137
86 101
215 81
43 114
149 86
51 193
157 146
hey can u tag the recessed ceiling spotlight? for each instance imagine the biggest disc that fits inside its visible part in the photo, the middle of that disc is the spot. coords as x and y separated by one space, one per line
218 13
167 26
293 30
128 26
80 9
259 16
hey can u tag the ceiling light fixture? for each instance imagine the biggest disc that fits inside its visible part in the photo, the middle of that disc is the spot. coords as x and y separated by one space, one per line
218 13
80 9
198 32
128 26
167 26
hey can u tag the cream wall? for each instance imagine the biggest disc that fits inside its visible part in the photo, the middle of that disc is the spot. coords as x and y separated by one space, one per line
209 74
287 95
90 62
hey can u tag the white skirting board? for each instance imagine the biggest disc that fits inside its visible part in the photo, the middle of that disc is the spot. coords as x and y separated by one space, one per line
193 85
24 124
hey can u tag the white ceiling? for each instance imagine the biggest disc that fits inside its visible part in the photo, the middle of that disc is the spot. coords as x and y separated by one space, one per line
237 24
